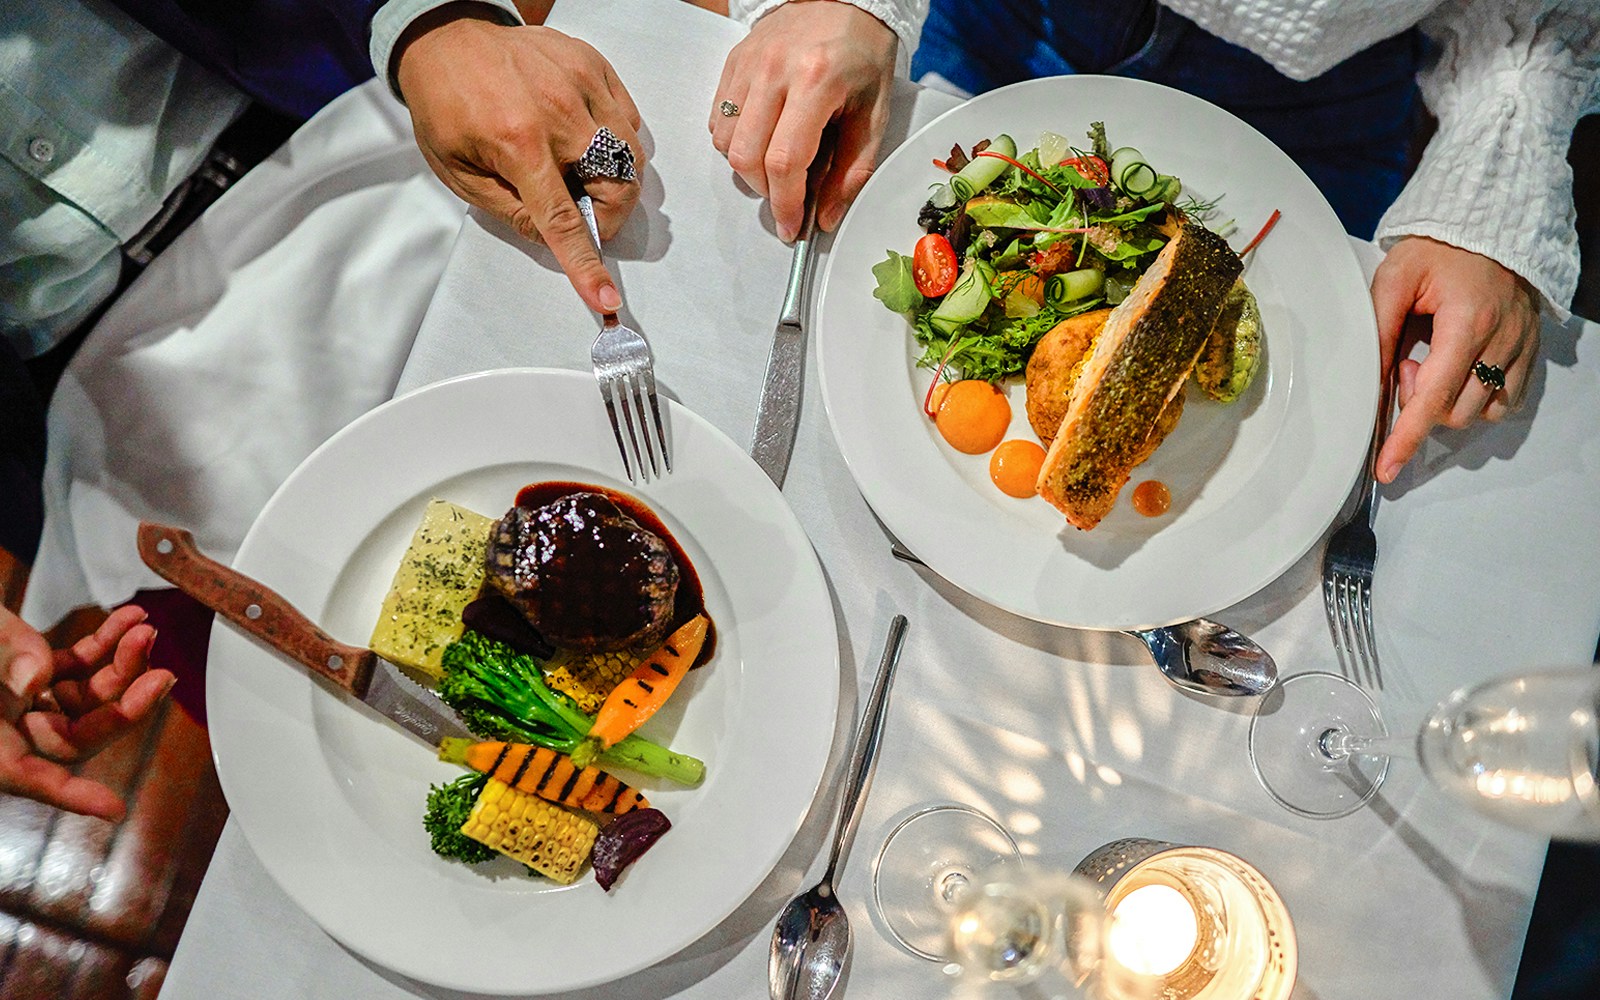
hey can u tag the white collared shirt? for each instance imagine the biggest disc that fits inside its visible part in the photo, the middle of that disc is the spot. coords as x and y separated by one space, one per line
99 122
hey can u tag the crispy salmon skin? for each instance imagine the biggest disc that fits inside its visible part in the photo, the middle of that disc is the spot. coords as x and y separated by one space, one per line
1149 346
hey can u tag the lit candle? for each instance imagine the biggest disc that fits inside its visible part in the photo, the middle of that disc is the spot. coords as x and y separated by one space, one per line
1153 929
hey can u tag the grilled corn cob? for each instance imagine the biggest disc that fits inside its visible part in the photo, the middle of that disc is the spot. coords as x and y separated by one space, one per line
552 841
587 678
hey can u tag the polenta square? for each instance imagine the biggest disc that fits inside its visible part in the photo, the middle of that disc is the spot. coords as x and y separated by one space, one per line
438 576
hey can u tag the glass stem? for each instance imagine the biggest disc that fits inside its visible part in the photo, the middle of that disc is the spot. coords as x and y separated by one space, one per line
1337 743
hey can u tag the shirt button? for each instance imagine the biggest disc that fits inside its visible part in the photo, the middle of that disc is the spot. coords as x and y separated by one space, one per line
41 149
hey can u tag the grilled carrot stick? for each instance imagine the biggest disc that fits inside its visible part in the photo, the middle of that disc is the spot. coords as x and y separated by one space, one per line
543 772
647 688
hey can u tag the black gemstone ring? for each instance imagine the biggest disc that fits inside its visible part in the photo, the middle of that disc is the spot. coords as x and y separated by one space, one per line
607 156
1493 377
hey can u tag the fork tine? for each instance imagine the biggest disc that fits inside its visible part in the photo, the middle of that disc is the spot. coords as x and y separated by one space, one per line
637 392
649 380
1346 625
1369 639
1330 602
620 387
606 393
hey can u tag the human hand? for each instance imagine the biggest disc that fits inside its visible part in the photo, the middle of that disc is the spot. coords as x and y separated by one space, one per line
1481 312
501 113
806 64
64 705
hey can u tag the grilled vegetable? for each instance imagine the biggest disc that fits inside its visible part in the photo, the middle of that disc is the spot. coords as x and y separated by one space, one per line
1232 353
638 697
621 843
552 841
587 678
501 694
449 805
438 576
543 772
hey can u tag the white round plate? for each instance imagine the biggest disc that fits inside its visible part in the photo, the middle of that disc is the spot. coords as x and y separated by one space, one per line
1254 484
331 797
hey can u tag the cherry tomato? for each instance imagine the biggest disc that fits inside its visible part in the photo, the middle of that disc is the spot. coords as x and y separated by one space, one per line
1091 167
933 266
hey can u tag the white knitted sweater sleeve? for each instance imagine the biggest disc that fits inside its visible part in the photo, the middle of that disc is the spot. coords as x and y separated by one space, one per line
904 18
1512 80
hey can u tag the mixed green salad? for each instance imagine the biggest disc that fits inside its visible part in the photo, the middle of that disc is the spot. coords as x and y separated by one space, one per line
1016 243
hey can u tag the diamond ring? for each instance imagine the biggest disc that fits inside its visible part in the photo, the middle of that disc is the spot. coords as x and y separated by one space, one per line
607 156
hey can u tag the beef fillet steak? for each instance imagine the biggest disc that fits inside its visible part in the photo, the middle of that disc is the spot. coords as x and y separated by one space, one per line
584 574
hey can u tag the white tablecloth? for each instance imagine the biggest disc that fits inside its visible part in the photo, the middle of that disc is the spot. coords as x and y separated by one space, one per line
1490 564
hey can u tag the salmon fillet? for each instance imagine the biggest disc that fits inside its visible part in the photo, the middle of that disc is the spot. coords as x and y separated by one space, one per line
1149 346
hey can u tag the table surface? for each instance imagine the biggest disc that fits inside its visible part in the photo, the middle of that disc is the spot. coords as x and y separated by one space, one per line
1068 738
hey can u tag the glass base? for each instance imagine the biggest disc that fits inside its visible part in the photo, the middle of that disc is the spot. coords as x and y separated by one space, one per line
924 866
1286 746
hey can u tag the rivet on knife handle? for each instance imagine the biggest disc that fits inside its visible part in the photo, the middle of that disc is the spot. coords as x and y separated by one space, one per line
254 608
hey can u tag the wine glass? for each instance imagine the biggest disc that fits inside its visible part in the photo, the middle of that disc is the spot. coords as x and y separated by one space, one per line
951 887
1524 750
927 863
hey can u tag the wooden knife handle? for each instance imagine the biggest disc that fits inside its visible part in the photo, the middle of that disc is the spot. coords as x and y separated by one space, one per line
253 607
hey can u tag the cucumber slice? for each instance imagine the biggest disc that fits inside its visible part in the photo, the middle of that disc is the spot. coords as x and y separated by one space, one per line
983 170
1132 173
1072 285
964 303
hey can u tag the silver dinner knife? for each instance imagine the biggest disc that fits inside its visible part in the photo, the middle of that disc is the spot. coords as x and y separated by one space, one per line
778 415
261 612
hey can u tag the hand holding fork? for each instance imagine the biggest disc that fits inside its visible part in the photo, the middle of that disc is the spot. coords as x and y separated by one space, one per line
625 369
1348 563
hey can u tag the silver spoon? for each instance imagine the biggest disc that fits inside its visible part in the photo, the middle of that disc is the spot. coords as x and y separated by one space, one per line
1207 657
1200 655
812 939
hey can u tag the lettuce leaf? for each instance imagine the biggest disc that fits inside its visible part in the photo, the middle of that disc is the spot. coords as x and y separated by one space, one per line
897 288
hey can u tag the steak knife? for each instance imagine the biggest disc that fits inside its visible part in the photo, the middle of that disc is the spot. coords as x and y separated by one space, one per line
778 415
262 613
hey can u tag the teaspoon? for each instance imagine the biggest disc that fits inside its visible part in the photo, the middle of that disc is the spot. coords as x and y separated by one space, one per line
812 938
1208 657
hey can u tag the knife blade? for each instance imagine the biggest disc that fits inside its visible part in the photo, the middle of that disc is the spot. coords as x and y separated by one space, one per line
778 414
261 612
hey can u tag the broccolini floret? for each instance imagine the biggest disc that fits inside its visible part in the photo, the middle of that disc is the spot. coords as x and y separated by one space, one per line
448 807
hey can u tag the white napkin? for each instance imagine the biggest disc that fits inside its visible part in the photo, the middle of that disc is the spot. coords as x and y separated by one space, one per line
282 314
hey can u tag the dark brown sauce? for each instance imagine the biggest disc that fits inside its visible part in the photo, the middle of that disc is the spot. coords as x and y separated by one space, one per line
690 599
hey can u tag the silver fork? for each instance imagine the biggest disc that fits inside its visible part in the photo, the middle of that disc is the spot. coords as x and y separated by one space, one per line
1347 566
625 369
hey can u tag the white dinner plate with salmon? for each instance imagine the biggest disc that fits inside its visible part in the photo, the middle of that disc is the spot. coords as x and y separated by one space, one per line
1253 483
331 797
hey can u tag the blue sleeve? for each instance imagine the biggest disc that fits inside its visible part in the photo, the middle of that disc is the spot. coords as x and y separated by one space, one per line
294 56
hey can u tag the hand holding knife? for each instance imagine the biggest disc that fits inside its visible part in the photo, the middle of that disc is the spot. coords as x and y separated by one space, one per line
778 415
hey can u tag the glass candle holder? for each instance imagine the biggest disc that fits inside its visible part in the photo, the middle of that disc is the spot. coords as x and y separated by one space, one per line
1202 922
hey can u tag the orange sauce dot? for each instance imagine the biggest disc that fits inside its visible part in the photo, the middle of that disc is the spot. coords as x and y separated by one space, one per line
936 400
973 416
1152 498
1014 467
